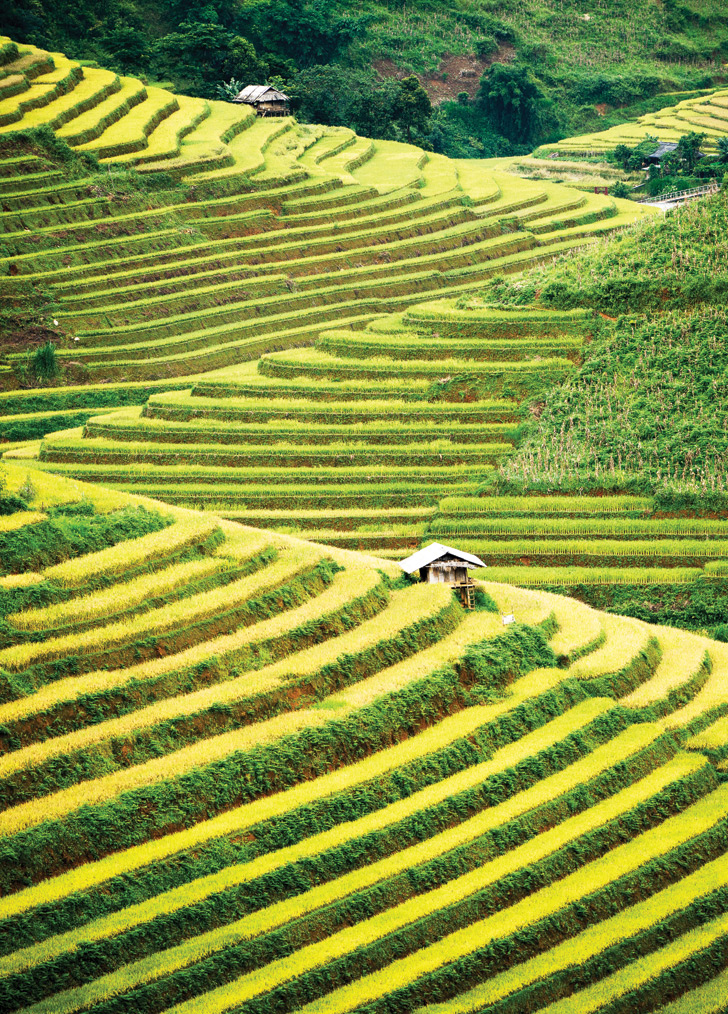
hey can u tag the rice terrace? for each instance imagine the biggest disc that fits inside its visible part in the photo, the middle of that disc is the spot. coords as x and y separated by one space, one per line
364 507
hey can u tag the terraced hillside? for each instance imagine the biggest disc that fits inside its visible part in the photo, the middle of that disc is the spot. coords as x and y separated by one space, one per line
382 439
352 442
706 114
241 772
251 236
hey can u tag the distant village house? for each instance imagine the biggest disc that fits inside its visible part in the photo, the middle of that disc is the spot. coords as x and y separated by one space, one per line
664 148
265 99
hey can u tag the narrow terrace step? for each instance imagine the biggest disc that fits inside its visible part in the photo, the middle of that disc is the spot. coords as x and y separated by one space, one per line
182 407
131 425
238 242
343 455
242 255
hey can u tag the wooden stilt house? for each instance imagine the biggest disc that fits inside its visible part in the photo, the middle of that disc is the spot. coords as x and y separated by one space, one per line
265 99
438 564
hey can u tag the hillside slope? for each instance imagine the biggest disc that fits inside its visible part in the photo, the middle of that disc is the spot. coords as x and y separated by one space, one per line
168 236
622 468
283 777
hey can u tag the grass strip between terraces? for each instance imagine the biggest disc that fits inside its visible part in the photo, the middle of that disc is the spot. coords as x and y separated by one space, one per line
189 529
453 727
99 605
644 970
218 656
573 953
165 618
380 925
346 584
620 861
710 998
601 759
403 616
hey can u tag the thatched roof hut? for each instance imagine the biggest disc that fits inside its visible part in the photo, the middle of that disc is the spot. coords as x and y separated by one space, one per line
438 564
266 100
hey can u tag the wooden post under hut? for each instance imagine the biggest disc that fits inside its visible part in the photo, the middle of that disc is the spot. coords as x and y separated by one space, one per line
438 564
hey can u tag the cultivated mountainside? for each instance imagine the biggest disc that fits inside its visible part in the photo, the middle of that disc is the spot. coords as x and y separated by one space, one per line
233 237
246 773
242 772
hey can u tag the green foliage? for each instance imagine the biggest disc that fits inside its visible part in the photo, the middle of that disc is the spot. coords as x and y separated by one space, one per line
200 56
632 54
703 605
487 668
336 95
64 536
44 364
413 106
513 101
620 189
649 400
306 32
616 89
676 261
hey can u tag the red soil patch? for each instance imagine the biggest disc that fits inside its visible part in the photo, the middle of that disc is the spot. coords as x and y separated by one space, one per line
455 74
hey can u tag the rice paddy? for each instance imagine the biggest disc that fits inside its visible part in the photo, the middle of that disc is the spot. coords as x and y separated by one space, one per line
348 789
246 764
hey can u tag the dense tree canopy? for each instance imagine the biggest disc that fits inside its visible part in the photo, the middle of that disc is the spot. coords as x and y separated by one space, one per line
512 100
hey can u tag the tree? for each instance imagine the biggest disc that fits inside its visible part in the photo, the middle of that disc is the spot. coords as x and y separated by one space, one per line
201 55
413 107
512 100
723 149
309 32
622 155
620 189
688 150
128 46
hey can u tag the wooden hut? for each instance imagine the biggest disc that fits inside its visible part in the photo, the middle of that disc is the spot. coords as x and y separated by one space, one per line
438 564
265 99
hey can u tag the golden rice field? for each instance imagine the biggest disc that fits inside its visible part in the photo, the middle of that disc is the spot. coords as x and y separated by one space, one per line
247 765
252 237
245 772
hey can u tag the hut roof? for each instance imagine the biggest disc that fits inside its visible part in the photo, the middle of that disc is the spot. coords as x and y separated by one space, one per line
665 148
662 149
260 93
436 551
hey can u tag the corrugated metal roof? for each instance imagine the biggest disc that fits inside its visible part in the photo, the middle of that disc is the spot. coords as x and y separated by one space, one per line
663 148
433 552
256 93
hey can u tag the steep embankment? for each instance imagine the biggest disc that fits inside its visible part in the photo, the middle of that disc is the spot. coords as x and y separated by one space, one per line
643 415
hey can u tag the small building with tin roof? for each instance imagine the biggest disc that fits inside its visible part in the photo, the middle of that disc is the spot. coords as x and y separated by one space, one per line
265 99
664 148
438 564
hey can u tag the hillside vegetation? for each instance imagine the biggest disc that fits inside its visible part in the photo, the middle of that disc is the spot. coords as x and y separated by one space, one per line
242 772
245 772
643 416
567 69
